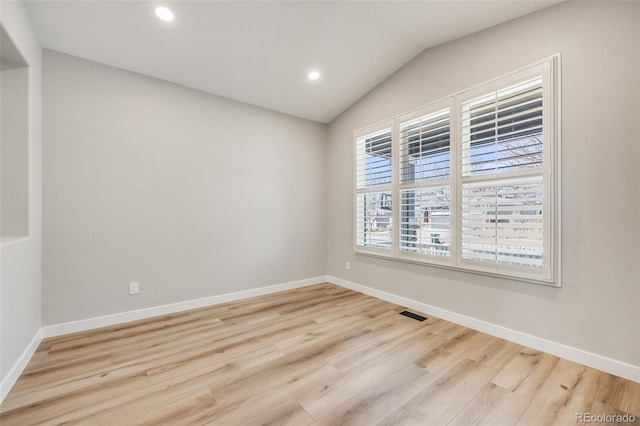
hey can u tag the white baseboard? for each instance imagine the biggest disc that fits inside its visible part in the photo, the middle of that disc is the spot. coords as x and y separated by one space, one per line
107 320
14 374
599 362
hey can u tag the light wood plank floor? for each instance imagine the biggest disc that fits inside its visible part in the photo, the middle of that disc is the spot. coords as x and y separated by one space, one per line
321 355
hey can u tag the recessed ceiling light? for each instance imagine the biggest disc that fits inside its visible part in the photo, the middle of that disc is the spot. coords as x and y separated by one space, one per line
164 14
314 75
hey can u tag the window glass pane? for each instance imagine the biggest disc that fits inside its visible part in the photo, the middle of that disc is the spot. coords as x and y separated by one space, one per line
373 220
425 221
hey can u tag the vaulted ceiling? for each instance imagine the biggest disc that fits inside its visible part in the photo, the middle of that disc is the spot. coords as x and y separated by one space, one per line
260 52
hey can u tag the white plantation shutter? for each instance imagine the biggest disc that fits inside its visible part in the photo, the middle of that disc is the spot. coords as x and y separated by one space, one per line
373 159
502 222
374 178
471 181
425 223
502 131
425 183
505 177
425 147
373 220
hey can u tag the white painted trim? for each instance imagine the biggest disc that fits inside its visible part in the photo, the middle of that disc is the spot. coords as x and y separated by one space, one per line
107 320
599 362
20 365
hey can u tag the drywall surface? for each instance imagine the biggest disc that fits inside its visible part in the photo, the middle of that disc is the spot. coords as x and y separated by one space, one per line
14 152
189 194
598 307
20 276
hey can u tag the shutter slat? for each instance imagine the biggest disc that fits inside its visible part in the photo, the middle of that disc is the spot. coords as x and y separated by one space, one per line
500 130
425 147
502 221
425 221
489 119
373 160
373 220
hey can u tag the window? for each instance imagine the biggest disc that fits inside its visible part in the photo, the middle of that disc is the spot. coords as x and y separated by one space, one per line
425 182
374 195
471 180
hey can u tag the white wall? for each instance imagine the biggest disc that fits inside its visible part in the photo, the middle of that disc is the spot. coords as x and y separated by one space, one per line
190 194
598 307
20 276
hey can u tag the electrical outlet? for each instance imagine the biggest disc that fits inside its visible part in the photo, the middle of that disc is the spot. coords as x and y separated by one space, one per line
347 265
134 288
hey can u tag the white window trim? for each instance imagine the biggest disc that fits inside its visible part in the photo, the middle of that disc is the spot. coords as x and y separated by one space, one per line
551 178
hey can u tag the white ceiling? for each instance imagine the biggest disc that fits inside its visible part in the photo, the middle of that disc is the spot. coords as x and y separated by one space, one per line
260 52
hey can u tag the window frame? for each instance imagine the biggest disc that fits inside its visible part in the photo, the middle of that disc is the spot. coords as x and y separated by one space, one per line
433 107
359 134
550 274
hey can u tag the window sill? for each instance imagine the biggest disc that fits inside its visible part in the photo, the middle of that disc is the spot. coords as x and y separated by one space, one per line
532 280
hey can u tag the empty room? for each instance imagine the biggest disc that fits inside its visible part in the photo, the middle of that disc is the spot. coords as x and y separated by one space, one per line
320 212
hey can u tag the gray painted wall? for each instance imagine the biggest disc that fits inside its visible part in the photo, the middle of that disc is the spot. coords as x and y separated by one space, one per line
14 152
20 273
190 194
598 307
